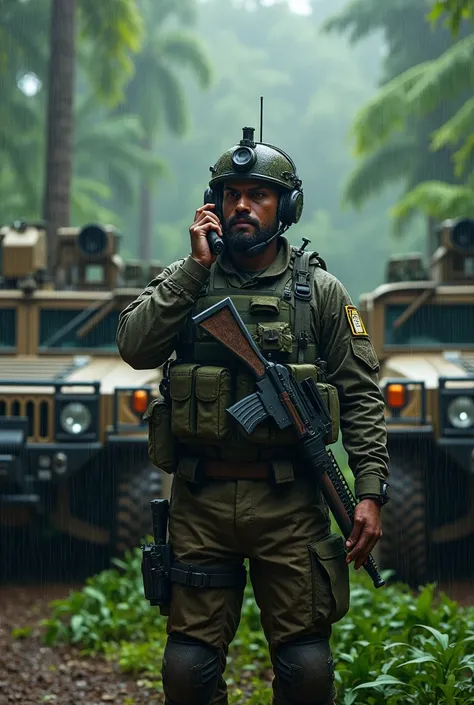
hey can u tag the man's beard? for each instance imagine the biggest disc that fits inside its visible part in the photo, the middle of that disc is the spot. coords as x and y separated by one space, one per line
243 240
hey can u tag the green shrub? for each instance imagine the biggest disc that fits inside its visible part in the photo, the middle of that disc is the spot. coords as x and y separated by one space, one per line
393 648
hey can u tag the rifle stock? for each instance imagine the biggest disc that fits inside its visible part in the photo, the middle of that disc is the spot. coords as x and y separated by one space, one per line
222 322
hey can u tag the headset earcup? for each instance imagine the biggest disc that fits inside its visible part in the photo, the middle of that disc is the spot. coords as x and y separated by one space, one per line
290 207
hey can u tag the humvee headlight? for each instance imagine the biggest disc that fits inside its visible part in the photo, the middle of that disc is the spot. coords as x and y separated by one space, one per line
75 418
461 412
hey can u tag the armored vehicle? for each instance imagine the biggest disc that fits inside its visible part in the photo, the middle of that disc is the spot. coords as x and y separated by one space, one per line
421 322
73 443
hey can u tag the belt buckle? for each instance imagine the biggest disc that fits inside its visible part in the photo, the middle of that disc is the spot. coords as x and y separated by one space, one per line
192 579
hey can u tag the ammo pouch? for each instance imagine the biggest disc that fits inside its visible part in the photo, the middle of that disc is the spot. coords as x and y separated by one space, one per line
196 414
200 395
162 449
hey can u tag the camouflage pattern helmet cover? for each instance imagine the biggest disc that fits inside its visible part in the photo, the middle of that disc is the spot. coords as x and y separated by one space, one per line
255 161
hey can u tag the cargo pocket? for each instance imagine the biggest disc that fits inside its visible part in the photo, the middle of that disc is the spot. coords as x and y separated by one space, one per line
213 397
330 579
161 443
183 408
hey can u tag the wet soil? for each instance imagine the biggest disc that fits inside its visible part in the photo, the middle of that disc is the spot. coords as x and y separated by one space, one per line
32 673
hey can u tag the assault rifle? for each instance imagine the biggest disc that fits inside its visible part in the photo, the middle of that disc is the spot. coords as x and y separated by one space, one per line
289 403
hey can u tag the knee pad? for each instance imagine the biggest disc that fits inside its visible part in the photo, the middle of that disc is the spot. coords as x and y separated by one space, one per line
304 671
190 671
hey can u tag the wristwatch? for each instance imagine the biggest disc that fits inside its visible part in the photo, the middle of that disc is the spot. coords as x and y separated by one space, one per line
381 498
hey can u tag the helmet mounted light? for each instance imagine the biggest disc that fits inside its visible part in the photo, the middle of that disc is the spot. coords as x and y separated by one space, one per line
244 156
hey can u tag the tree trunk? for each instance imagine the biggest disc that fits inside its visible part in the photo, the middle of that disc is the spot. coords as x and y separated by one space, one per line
145 239
60 122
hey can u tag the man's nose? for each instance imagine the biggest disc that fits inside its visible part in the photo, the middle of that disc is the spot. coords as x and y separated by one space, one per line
242 205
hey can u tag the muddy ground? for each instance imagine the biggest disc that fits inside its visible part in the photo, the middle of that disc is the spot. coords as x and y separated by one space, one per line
31 673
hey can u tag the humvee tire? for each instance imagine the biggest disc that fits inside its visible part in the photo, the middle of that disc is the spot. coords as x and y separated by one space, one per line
404 545
133 520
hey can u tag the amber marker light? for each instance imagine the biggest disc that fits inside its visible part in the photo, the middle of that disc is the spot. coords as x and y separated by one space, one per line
396 396
140 401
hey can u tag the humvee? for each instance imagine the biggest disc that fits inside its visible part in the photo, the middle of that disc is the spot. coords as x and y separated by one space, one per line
73 443
421 321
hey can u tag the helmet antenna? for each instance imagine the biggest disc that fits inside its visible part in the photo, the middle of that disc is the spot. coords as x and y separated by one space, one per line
261 118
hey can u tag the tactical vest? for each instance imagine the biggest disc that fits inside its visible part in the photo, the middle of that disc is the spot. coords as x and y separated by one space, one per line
205 379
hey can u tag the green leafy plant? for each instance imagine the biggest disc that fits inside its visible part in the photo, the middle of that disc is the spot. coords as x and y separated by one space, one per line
393 648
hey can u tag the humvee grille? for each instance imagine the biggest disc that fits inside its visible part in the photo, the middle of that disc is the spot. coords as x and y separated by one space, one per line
467 363
38 410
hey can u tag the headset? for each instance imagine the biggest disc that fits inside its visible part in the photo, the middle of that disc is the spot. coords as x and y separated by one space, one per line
290 203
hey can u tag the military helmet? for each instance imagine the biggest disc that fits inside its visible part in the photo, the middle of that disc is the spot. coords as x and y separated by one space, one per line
260 162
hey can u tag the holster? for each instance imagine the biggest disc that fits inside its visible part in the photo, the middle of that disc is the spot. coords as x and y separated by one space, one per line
160 570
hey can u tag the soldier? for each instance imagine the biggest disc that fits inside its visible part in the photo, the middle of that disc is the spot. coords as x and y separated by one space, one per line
234 496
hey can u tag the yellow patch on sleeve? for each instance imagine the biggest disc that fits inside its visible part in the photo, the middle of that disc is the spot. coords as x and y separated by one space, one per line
355 321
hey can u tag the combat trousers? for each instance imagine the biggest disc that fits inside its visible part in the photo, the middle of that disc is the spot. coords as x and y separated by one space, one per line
277 527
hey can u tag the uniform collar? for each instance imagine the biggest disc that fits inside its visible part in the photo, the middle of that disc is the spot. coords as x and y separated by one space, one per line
276 268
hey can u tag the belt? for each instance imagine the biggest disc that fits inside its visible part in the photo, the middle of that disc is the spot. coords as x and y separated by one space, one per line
222 470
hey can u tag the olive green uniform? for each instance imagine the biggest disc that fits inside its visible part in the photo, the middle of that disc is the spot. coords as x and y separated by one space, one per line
297 568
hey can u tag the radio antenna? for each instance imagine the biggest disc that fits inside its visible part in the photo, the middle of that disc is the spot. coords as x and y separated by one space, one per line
261 118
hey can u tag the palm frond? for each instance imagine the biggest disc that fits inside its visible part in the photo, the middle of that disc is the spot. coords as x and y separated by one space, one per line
23 27
444 78
436 199
362 17
457 11
390 163
173 102
186 50
111 64
461 124
86 198
386 112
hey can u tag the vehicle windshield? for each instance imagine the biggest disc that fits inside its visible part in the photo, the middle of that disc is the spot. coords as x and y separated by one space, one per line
60 329
431 326
7 328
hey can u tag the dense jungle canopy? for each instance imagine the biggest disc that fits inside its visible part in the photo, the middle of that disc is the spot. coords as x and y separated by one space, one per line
372 101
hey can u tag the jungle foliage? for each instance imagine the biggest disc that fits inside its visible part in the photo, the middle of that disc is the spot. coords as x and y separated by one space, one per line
392 648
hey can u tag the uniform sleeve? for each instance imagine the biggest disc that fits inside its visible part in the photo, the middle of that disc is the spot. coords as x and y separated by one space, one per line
148 327
352 368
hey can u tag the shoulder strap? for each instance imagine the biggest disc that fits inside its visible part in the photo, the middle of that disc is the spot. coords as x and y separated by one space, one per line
302 292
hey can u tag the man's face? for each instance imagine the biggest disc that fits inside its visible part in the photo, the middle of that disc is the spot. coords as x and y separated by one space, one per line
250 213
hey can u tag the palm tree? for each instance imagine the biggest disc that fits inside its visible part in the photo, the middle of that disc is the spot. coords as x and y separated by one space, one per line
392 134
155 93
107 27
417 92
60 122
108 159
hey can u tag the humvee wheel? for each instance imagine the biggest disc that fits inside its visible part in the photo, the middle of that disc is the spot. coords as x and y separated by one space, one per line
403 545
133 514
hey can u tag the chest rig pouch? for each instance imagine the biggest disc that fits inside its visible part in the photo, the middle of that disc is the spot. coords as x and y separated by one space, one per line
205 379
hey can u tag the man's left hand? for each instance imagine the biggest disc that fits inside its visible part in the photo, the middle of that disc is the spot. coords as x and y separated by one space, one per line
366 532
